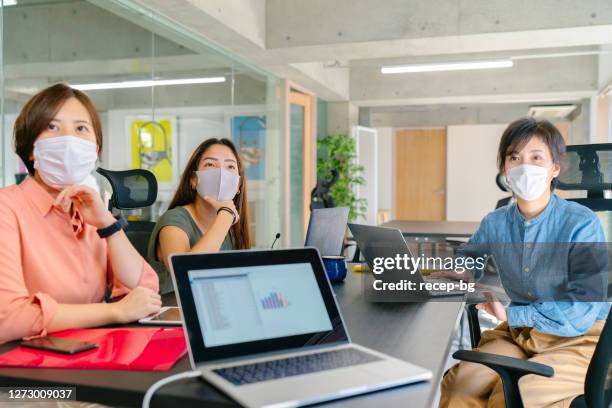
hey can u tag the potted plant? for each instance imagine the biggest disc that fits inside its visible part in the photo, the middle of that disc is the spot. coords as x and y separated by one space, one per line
339 152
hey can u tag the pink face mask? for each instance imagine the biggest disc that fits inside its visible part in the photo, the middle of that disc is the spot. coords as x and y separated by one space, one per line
218 183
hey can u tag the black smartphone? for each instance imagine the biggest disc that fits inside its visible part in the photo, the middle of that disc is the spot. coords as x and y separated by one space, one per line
59 345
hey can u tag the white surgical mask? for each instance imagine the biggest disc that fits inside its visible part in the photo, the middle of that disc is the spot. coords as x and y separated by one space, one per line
218 183
90 181
64 160
528 181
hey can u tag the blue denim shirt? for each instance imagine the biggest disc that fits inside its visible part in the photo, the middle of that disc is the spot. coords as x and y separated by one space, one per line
527 277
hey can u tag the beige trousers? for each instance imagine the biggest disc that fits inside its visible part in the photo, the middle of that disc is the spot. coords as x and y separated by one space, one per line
475 385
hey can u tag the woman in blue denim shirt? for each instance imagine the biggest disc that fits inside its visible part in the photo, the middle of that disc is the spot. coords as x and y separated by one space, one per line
556 314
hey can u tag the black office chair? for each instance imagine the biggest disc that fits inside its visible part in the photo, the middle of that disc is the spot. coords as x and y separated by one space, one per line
503 187
133 189
510 370
586 167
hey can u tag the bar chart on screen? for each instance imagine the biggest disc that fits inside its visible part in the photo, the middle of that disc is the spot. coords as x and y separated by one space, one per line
242 304
275 300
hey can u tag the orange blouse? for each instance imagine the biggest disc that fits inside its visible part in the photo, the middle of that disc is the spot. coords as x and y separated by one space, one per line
48 257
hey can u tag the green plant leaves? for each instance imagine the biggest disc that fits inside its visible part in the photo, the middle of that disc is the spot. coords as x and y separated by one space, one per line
340 152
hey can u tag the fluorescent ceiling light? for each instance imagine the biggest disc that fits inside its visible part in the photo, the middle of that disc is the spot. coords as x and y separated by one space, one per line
446 66
147 83
7 3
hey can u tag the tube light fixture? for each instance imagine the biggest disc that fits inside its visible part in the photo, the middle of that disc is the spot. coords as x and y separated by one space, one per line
446 66
147 83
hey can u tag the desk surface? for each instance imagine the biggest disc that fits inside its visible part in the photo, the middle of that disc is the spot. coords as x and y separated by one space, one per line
417 332
434 229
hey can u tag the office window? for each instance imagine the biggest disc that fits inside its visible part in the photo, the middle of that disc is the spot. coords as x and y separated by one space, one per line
154 127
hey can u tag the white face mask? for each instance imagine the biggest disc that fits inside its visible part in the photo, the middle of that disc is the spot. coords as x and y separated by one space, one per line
64 160
218 183
528 181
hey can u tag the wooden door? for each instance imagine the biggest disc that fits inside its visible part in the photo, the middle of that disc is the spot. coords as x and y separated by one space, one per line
420 174
302 162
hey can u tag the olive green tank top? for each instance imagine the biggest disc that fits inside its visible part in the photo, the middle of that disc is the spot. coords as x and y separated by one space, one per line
177 217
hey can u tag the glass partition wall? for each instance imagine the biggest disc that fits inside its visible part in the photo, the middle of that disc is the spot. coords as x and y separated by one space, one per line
160 90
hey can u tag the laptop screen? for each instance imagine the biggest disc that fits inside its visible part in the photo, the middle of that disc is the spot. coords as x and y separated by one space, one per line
326 230
243 304
247 302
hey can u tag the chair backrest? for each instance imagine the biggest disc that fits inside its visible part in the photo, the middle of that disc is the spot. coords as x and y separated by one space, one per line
502 186
135 188
139 232
596 392
132 189
588 168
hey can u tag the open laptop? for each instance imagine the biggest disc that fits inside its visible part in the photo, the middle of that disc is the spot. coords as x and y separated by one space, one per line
326 230
264 327
376 242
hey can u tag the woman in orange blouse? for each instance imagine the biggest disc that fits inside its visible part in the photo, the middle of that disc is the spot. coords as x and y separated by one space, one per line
60 246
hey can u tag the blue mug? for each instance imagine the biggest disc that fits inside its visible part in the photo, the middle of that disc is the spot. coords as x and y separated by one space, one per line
335 267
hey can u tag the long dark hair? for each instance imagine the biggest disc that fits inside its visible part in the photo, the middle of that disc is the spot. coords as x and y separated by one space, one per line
186 194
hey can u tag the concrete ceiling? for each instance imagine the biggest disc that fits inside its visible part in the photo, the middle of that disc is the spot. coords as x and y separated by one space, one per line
336 47
560 48
48 41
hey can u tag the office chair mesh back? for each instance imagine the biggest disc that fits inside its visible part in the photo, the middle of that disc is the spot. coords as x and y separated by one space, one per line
503 187
132 189
588 168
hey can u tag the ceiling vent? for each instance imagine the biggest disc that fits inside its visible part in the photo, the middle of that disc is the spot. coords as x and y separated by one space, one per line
552 111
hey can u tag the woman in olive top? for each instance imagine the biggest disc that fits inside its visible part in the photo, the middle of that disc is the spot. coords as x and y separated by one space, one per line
208 212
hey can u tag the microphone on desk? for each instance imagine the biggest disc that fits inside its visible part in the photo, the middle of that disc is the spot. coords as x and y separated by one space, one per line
275 239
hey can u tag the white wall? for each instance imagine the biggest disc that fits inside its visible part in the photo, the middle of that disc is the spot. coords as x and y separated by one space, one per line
471 168
367 156
385 168
9 160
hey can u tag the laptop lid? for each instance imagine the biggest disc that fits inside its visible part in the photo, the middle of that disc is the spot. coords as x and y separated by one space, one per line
382 242
241 303
326 230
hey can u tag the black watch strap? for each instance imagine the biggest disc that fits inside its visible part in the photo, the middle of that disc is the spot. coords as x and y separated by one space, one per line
116 226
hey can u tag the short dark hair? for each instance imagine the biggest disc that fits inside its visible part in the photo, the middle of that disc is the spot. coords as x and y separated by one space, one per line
520 132
40 110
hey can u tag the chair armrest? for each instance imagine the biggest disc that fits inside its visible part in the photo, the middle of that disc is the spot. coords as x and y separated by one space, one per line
509 369
494 361
474 324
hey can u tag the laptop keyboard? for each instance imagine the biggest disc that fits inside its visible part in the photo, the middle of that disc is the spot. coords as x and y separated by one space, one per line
287 367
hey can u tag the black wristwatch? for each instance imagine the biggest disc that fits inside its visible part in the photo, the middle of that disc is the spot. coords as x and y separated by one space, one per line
116 226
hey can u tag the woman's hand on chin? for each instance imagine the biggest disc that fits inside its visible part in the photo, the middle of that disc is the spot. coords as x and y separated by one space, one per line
219 204
88 202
